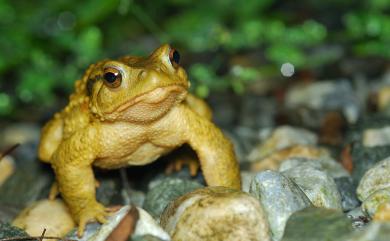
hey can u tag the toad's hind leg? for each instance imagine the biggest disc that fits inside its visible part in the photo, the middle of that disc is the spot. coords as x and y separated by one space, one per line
51 137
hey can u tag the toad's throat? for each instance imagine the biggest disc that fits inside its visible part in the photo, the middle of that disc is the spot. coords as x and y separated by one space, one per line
155 96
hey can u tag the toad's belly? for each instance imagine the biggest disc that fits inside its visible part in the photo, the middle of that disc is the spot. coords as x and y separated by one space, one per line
143 155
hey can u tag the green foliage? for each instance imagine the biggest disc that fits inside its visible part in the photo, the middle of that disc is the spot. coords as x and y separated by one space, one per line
46 45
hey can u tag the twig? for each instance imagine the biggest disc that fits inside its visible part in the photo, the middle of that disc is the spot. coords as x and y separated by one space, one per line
43 234
8 150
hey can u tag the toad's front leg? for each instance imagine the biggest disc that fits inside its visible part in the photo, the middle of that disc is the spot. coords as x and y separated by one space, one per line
72 165
214 150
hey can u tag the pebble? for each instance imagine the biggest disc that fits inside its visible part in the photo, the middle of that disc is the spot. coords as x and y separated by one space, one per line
326 95
375 231
376 137
347 192
383 98
282 137
274 160
376 178
365 158
318 186
329 165
20 133
216 213
317 224
53 216
145 226
358 217
7 168
246 179
372 202
383 212
165 191
280 198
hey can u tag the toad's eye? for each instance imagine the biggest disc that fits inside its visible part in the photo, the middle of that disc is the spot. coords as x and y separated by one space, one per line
174 57
112 77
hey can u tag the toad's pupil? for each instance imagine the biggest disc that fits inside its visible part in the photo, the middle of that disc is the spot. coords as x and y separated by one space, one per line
110 77
176 57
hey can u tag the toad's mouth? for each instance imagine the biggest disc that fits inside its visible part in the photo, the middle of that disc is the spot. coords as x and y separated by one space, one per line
153 97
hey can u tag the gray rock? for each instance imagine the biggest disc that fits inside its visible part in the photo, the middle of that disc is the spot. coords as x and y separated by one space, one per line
108 192
375 231
317 224
318 186
376 178
330 166
280 198
26 185
347 192
371 203
9 231
146 238
164 192
326 95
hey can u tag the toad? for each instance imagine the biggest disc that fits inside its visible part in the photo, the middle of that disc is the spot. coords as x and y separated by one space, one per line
130 111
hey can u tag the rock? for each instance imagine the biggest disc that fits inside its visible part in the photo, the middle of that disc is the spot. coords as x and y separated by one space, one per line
326 96
9 231
383 98
164 192
376 137
274 160
8 213
144 226
365 158
358 218
108 192
20 133
330 166
26 185
280 198
318 186
376 178
347 192
246 179
7 168
216 213
146 238
53 216
383 212
372 202
282 137
372 232
317 224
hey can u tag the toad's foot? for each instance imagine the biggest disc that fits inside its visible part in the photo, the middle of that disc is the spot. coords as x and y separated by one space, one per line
95 211
177 165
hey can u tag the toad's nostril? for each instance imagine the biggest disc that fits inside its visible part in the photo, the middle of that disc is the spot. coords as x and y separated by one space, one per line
142 75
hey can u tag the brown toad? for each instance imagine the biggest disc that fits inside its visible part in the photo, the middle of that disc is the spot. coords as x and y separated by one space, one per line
130 111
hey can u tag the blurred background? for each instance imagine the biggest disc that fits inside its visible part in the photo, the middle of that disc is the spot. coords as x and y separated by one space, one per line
231 49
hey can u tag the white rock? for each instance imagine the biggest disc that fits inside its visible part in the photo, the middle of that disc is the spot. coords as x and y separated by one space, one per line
53 216
7 168
282 137
376 178
376 137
